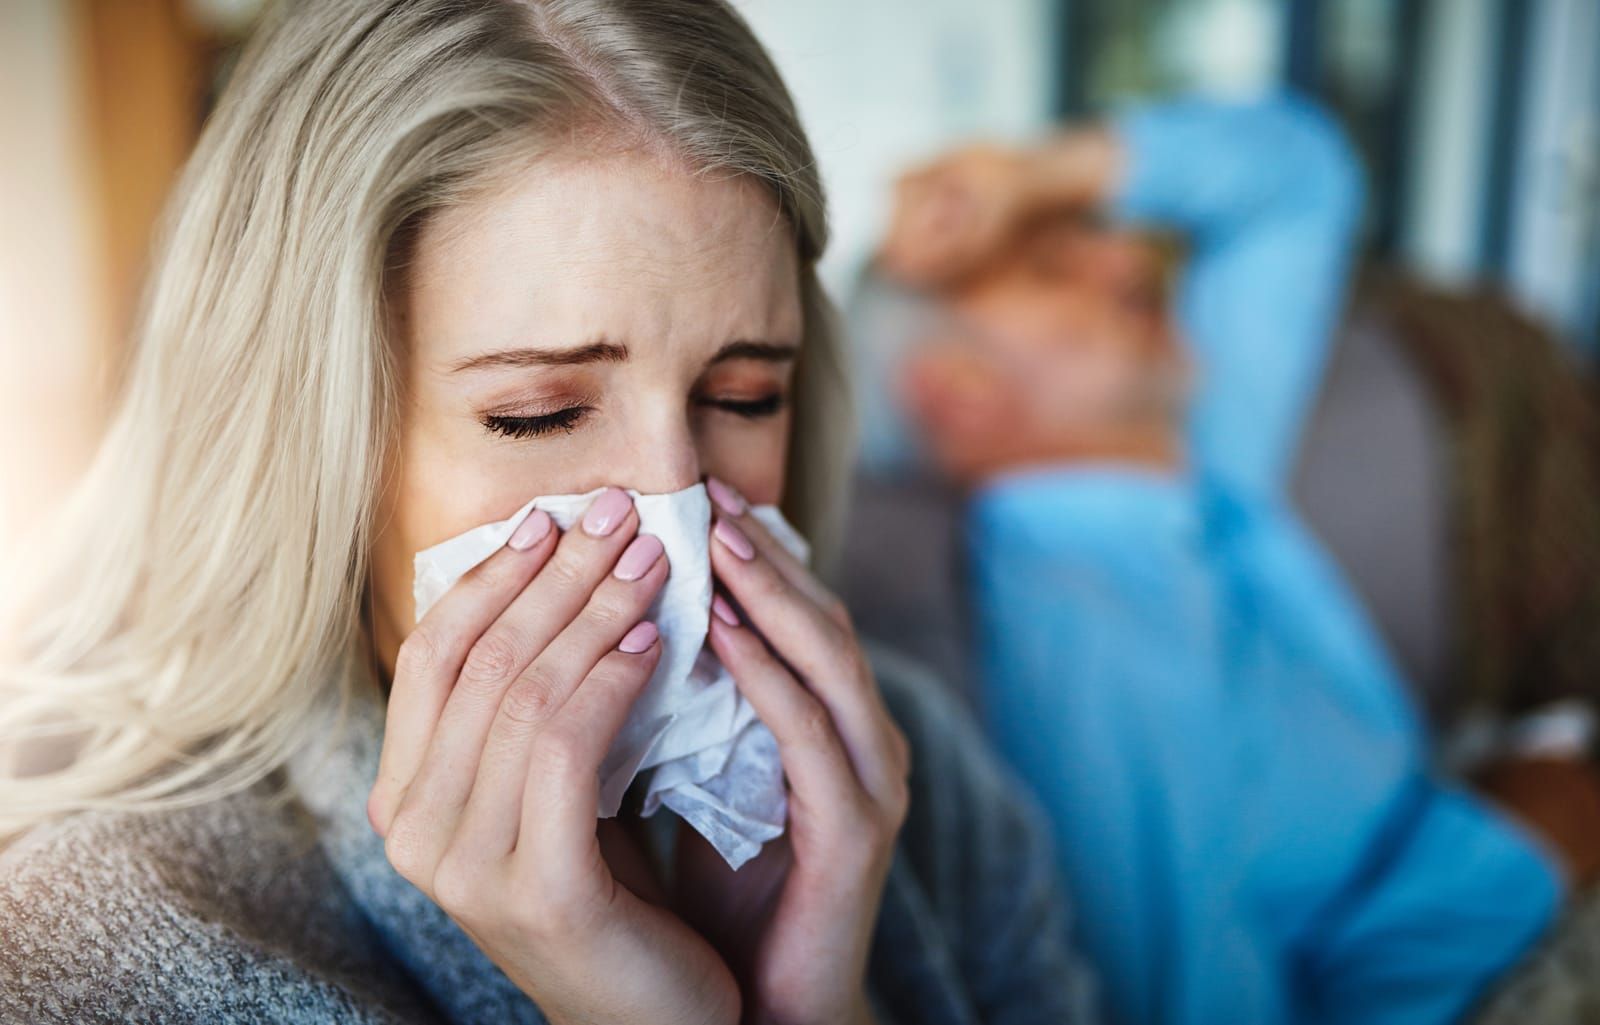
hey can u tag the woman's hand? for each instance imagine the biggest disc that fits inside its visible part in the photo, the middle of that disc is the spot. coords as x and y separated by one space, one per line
506 696
796 922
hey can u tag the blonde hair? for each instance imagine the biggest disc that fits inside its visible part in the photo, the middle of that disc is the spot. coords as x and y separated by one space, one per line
200 594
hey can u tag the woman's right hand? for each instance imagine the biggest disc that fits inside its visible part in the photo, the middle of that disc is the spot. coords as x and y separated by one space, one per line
505 698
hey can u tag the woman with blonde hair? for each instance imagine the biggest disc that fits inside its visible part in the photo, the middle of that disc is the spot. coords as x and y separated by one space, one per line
430 258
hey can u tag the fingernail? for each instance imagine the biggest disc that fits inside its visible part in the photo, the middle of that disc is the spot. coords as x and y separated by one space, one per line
723 610
734 539
530 531
638 639
605 512
642 553
727 499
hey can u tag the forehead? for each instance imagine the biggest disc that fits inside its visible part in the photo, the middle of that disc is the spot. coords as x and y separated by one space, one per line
627 245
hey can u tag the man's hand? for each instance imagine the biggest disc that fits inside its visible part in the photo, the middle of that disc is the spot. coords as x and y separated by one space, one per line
953 214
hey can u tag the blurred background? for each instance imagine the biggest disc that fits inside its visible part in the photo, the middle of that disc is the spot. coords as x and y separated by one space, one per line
1478 123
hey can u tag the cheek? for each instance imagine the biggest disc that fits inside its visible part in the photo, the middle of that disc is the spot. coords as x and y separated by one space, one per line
452 477
445 478
750 455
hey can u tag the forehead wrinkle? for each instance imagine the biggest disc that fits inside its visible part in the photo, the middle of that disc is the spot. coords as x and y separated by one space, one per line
709 244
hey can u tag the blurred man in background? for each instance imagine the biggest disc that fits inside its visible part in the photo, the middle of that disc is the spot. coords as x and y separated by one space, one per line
1240 786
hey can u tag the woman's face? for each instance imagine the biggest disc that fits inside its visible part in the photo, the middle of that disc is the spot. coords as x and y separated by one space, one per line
600 320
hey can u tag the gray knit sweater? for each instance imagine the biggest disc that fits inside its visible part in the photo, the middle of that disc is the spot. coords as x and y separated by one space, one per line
265 909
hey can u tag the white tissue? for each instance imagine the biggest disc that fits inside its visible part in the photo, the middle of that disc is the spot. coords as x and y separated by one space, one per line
715 763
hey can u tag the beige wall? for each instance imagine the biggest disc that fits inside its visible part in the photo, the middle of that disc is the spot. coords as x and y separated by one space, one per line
53 310
99 104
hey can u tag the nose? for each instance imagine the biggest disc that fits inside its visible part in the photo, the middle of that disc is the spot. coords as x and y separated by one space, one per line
661 455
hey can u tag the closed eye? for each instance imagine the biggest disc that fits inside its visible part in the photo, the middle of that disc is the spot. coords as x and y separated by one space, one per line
535 426
568 419
752 409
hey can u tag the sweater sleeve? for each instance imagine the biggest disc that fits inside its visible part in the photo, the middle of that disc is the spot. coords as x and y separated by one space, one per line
111 918
978 868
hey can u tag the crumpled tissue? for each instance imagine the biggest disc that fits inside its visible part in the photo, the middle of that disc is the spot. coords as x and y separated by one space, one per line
714 762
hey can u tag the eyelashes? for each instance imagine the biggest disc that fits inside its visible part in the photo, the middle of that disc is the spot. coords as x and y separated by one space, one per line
535 426
750 409
567 420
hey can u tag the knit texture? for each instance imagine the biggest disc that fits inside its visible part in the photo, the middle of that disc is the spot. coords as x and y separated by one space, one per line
278 905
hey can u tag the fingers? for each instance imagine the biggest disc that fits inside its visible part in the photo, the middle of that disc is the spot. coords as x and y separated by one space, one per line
913 255
806 624
431 656
732 505
563 786
956 212
435 790
606 639
934 227
821 779
811 633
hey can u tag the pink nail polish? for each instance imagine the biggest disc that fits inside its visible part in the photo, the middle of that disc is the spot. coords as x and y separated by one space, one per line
605 512
727 499
733 538
723 611
640 555
639 638
530 531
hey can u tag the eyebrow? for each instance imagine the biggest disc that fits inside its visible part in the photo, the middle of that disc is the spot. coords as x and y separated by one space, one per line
594 352
767 352
612 352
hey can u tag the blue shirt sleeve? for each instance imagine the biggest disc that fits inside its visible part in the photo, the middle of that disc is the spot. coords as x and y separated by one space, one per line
1268 196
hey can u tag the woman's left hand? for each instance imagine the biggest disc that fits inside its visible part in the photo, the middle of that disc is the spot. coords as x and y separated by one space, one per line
795 923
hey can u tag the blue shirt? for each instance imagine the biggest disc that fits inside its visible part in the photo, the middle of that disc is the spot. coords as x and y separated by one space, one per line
1240 788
